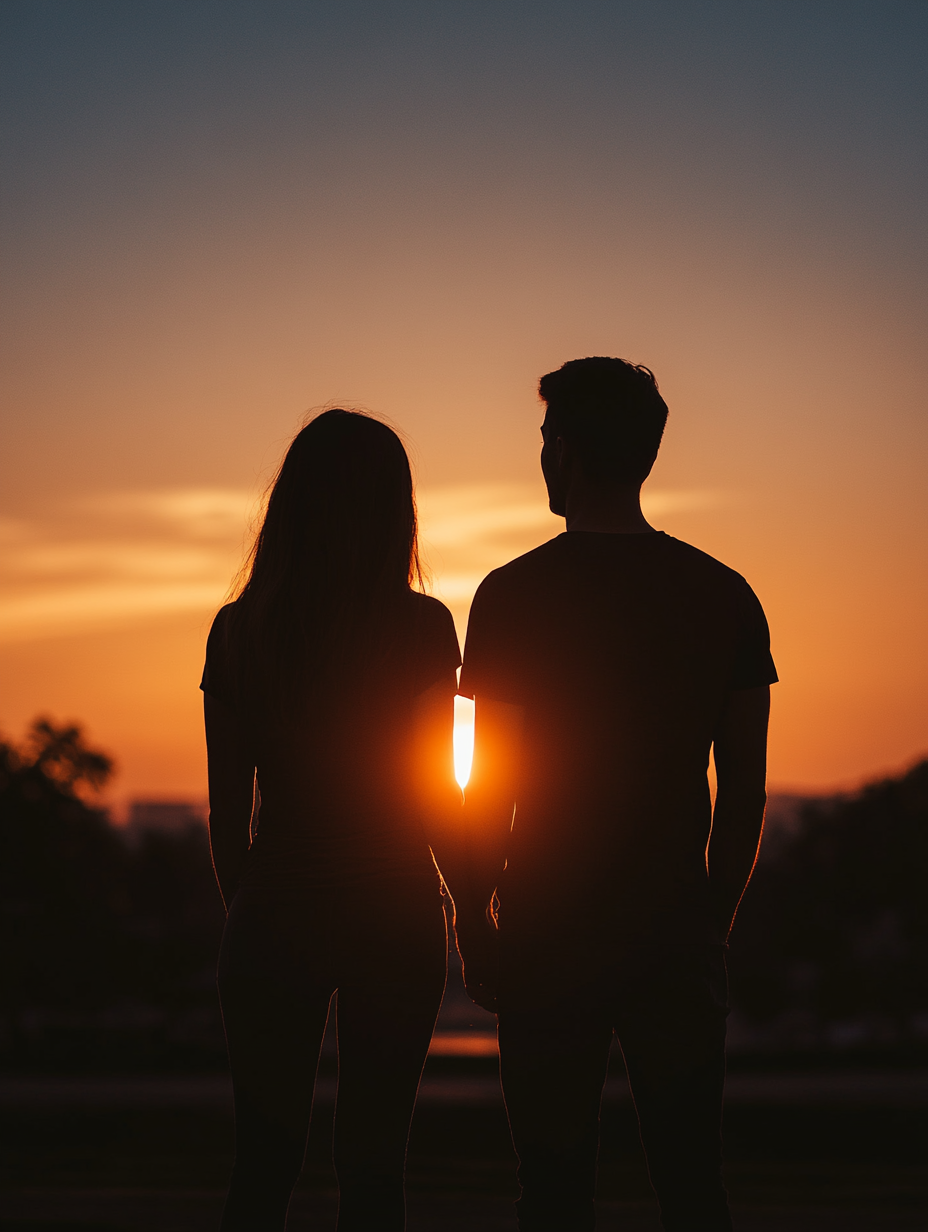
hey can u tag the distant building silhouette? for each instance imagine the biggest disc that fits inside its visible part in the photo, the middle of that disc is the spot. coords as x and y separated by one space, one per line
165 816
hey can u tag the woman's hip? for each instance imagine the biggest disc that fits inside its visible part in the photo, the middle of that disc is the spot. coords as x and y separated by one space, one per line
379 932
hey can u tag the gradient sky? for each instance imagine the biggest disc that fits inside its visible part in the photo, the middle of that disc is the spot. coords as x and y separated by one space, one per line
218 216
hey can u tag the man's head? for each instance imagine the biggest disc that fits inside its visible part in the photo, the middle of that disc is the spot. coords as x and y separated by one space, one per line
609 416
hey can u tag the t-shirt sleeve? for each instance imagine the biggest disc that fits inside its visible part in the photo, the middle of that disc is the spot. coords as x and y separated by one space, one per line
216 676
753 664
438 654
492 662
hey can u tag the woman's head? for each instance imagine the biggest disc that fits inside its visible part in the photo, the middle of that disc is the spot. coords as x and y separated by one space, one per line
342 507
337 546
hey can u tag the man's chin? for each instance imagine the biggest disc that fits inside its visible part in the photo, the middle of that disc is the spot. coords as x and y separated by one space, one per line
557 507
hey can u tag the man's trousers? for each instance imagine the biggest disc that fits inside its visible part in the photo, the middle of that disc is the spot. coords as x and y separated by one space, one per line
668 1008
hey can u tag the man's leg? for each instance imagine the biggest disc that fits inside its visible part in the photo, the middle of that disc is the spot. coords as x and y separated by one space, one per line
553 1062
670 1019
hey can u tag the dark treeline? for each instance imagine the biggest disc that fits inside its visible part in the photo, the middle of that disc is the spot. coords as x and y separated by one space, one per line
830 947
109 940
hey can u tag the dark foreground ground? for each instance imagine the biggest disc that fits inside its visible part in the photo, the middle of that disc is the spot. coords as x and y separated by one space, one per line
835 1151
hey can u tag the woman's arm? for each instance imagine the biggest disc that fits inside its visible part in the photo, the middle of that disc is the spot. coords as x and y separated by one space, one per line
231 766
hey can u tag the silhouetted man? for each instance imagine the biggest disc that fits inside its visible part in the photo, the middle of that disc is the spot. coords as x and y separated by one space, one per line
605 666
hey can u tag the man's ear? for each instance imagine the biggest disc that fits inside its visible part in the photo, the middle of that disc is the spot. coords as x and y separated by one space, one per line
565 456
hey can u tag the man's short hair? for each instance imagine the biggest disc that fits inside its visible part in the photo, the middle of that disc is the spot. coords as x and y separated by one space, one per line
610 411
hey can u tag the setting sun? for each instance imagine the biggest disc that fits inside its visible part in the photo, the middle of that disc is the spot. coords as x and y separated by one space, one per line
463 738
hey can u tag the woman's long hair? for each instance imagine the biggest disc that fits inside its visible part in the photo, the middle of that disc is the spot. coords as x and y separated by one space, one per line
335 556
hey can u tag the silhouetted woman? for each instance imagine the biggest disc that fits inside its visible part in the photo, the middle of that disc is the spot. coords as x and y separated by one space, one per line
330 680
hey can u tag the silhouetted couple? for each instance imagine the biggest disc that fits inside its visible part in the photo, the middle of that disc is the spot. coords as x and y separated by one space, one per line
594 886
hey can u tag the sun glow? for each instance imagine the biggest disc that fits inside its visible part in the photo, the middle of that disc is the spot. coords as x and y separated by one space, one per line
463 738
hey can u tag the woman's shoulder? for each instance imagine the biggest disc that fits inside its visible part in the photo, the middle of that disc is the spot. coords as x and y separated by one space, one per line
220 632
431 620
216 679
428 608
435 641
224 616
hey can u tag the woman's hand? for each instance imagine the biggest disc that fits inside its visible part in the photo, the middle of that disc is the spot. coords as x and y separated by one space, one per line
478 944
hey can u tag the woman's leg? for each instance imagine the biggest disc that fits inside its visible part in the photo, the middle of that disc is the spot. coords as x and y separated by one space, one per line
275 1000
393 958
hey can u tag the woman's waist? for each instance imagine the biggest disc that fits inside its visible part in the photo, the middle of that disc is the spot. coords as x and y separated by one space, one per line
331 856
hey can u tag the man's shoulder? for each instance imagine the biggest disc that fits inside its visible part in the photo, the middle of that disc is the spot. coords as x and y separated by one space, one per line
671 554
551 569
698 562
517 572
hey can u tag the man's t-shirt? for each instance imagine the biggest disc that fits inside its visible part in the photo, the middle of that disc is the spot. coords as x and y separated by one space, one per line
336 785
622 649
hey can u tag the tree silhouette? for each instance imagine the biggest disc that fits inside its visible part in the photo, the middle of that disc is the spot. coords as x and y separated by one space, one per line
96 933
59 755
834 927
62 878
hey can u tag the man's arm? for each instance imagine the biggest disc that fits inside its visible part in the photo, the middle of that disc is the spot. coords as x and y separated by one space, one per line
740 749
490 796
489 803
231 794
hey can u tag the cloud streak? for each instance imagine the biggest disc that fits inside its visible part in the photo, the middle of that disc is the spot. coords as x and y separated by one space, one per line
119 558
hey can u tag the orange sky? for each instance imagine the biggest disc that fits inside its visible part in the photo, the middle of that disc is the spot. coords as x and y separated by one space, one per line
212 228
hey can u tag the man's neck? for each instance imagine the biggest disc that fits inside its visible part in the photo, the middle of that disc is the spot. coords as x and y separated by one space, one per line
610 511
